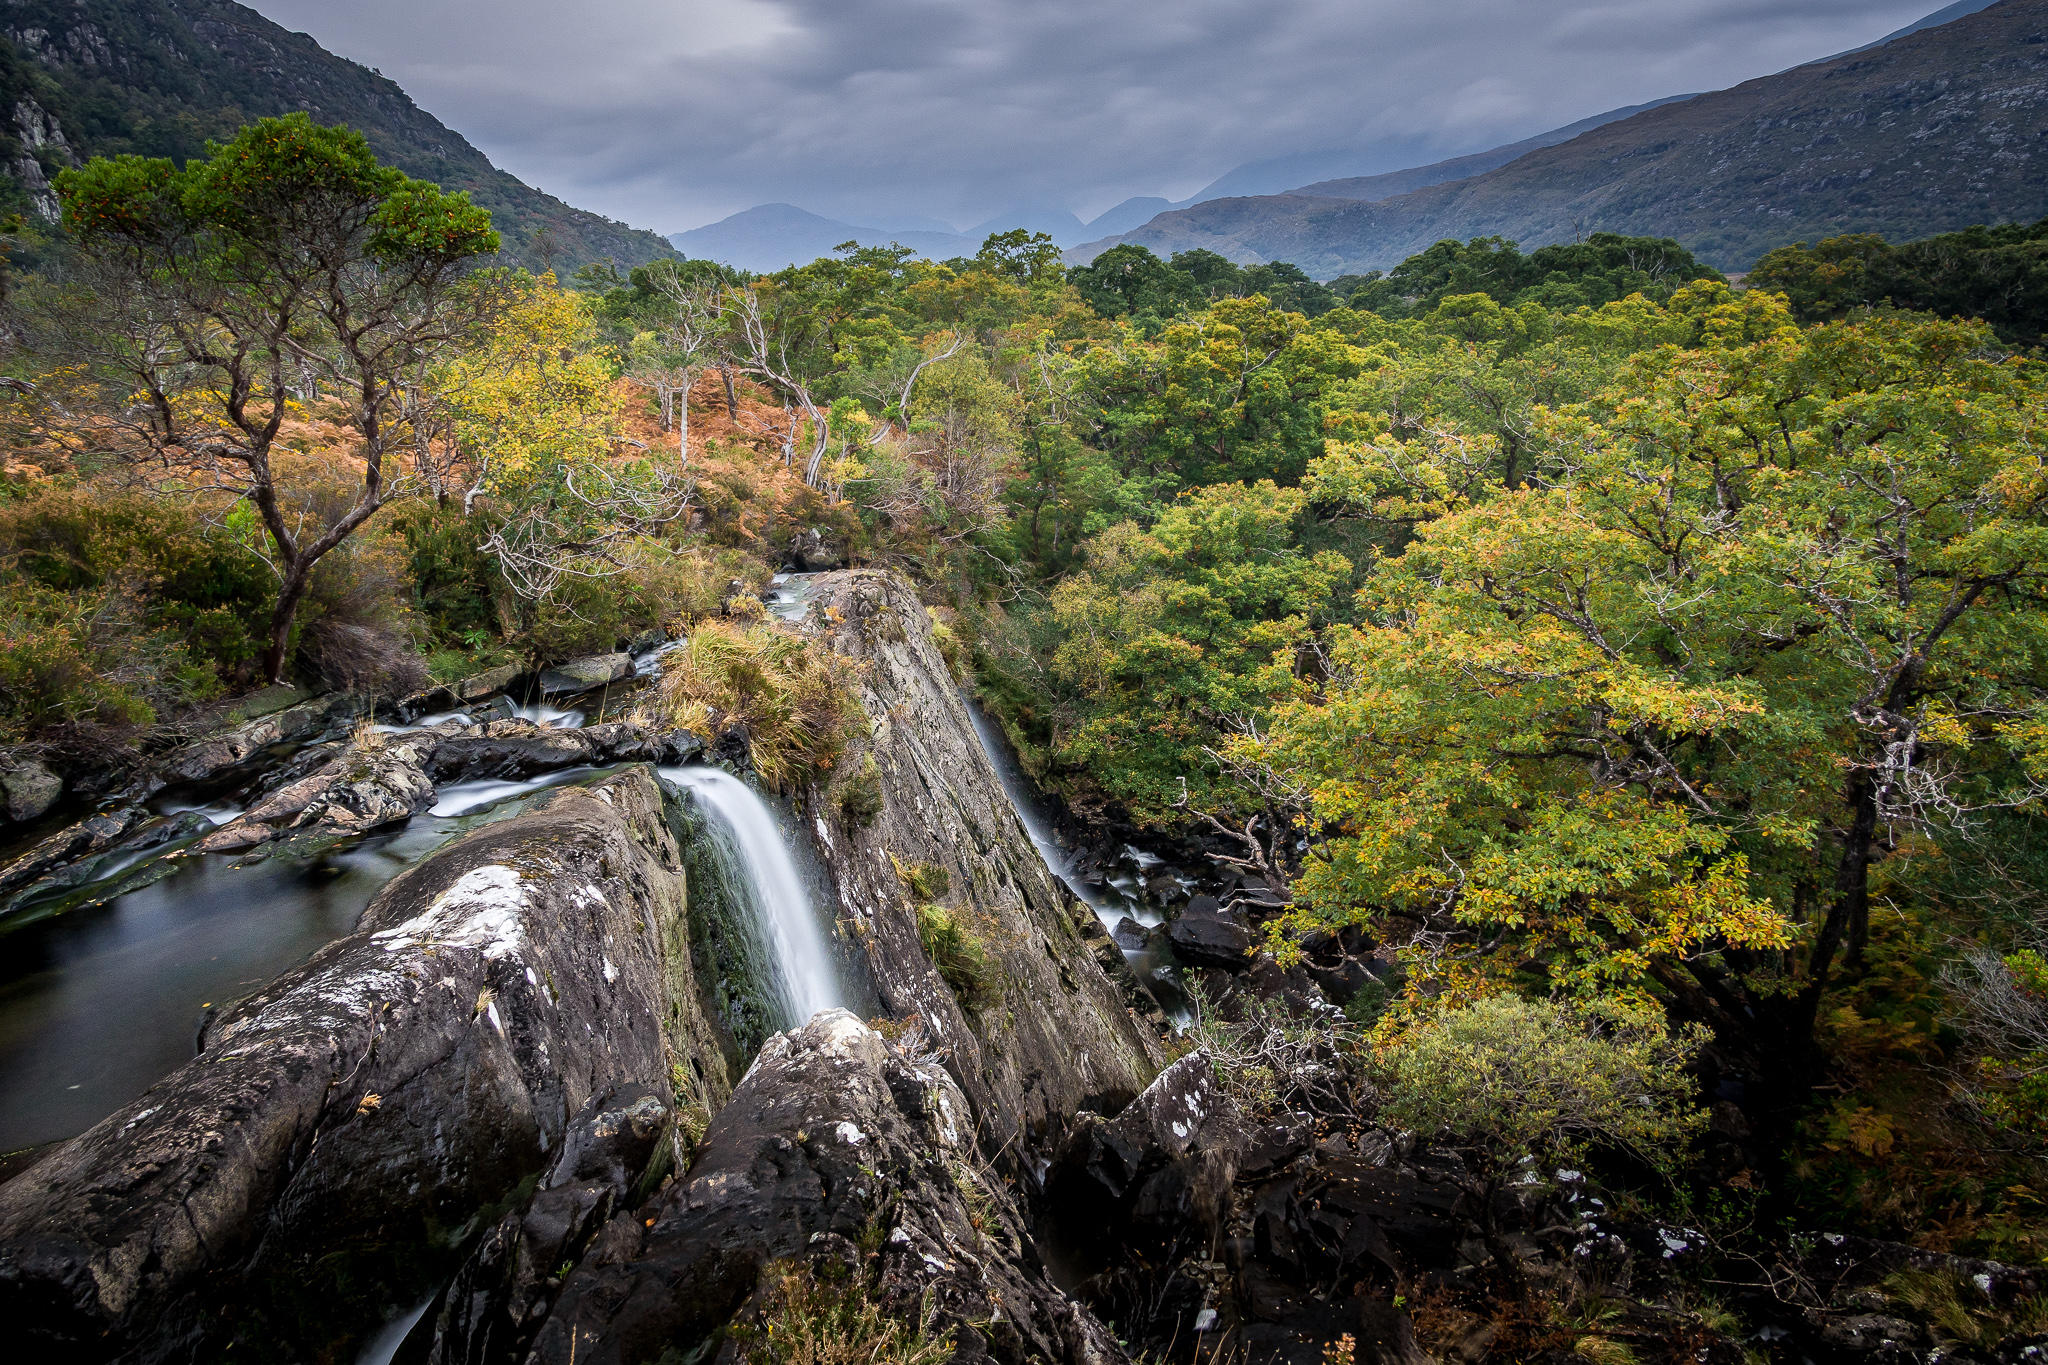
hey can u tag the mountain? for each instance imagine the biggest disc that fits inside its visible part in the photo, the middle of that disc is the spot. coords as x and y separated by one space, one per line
1928 133
768 237
1060 225
1384 185
1134 212
1391 183
160 77
1934 20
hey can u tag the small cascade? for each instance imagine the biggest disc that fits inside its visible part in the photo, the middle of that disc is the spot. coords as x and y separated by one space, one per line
789 945
461 798
1025 801
551 717
789 596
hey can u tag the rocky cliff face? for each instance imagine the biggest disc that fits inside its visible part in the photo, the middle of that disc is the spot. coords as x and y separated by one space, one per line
846 1161
517 1010
962 924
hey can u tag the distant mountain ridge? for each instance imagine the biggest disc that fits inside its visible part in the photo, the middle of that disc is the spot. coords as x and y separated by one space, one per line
1924 133
80 78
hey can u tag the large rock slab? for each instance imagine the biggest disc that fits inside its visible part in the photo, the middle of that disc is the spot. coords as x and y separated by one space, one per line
834 1141
916 815
29 790
347 1131
581 675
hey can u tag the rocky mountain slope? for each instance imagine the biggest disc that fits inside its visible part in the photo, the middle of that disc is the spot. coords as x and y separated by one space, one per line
1929 133
80 78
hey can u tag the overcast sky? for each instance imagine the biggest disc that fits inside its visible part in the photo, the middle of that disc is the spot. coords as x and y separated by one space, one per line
673 113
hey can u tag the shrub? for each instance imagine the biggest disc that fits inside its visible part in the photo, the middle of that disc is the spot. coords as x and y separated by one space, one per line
790 695
1511 1078
81 668
812 1322
958 955
175 562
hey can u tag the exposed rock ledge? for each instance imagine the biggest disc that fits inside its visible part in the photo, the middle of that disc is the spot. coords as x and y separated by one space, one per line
344 1129
1055 1034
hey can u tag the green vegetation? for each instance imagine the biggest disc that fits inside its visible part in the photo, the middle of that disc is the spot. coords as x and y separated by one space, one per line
956 952
160 79
1999 274
813 1319
1629 654
788 696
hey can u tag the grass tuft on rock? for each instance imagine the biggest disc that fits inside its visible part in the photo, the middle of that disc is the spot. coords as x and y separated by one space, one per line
791 696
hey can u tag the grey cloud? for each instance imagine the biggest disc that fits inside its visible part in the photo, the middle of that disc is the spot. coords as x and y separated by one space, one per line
669 113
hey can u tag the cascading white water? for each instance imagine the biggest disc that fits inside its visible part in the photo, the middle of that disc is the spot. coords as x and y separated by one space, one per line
1025 802
773 895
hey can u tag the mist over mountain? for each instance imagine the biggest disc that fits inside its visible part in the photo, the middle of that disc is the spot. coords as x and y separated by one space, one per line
1924 133
160 77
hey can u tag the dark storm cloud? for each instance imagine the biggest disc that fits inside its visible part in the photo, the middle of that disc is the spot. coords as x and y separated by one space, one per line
669 113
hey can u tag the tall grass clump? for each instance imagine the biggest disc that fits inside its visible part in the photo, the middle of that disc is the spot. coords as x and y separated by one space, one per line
793 698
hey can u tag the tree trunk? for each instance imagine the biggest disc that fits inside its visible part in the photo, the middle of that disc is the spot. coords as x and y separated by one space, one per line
683 428
732 399
1849 916
281 618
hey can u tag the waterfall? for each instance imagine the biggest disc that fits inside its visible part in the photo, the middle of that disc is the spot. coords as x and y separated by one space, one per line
1025 802
768 895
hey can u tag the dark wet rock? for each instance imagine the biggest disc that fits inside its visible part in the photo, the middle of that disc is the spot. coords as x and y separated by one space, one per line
29 790
454 696
582 675
1156 1172
510 749
834 1136
812 550
216 756
1050 1032
614 1151
342 1129
1207 934
373 782
98 876
96 833
1130 935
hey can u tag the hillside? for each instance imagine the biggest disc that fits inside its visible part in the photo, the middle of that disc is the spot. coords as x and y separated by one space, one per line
768 237
1929 133
160 77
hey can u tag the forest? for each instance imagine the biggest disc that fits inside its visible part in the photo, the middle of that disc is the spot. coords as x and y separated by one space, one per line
1644 672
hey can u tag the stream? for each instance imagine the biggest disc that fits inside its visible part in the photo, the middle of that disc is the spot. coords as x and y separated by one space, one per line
98 1004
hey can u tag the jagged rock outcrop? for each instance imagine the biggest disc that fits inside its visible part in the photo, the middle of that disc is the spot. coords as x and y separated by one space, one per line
854 1159
1159 1172
215 756
377 780
917 817
581 675
342 1131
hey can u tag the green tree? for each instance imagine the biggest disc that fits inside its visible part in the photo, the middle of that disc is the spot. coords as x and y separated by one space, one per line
285 264
1177 635
1508 1079
1648 727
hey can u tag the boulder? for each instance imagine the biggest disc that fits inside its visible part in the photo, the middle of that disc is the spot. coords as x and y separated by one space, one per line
581 675
1045 1031
455 695
215 756
29 790
344 1130
1160 1170
813 550
1130 935
375 781
1208 934
95 875
835 1140
96 833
